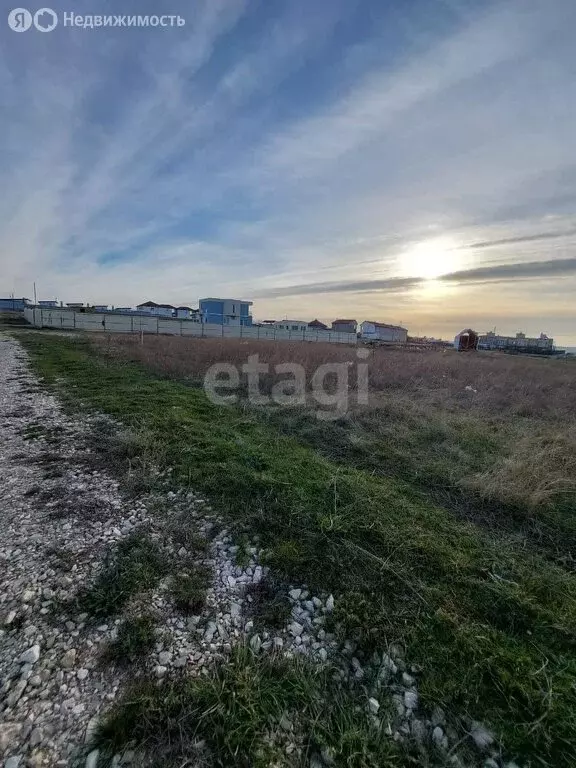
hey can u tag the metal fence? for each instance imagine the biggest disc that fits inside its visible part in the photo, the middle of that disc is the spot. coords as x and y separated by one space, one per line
65 319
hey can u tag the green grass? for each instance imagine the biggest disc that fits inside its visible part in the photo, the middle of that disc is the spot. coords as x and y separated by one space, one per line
37 431
492 623
270 605
136 638
246 711
135 565
440 454
188 589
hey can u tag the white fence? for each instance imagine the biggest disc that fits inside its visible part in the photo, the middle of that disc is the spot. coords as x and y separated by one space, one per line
66 319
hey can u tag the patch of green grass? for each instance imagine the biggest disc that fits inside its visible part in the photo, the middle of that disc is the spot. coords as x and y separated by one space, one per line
243 554
491 621
136 565
183 534
37 431
270 605
136 638
130 454
188 589
237 711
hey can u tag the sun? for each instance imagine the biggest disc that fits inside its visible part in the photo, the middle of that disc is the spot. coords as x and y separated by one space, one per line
430 259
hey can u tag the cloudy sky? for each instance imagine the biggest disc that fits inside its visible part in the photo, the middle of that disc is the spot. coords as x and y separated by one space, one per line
407 161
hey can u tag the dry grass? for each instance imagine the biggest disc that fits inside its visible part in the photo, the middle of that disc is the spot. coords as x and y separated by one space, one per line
505 385
540 470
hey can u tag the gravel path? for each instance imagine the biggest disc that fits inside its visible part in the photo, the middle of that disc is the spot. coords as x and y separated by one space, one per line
51 681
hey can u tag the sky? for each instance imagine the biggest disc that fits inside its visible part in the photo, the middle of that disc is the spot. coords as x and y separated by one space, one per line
408 162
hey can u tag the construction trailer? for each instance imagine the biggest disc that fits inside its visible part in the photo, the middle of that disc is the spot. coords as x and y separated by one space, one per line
466 340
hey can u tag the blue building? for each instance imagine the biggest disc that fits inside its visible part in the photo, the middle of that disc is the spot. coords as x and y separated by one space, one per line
13 305
226 311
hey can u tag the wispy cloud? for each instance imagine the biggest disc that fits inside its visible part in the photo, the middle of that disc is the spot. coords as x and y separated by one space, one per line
521 239
500 273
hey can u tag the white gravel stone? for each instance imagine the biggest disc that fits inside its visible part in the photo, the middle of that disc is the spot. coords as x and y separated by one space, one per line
92 759
437 736
69 659
481 737
14 762
30 656
15 693
296 628
410 699
373 705
256 643
36 737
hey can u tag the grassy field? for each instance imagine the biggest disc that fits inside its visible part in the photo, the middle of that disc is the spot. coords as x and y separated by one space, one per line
441 515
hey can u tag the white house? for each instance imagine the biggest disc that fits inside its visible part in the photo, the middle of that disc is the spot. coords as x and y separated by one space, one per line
158 310
520 342
291 325
187 313
373 331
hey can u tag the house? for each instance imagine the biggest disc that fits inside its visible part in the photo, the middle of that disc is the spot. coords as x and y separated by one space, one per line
158 310
373 331
291 325
518 343
345 326
187 313
13 305
316 325
48 304
225 311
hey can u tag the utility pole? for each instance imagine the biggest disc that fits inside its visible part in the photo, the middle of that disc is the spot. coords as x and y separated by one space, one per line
35 302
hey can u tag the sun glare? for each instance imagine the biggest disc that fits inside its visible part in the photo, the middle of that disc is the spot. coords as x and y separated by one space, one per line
430 259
